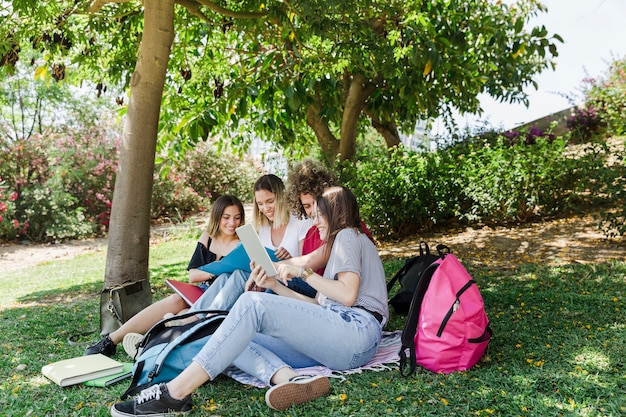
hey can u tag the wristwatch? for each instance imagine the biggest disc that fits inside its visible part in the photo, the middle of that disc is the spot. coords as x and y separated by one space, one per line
306 272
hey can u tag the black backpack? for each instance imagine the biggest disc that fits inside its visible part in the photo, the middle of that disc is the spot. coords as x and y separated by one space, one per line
409 275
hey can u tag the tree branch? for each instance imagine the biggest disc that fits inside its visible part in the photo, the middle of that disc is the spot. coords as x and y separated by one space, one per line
194 8
388 130
230 13
96 5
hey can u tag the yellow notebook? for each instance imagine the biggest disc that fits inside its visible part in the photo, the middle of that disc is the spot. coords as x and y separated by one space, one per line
80 369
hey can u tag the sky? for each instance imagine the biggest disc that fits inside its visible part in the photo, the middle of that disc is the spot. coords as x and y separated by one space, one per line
593 32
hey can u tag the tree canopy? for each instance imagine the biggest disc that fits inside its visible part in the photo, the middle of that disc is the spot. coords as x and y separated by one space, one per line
295 73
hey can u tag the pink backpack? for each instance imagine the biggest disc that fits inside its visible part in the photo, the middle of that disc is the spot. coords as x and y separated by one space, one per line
447 328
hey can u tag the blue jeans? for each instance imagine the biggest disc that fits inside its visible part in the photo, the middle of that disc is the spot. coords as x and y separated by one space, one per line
223 292
335 336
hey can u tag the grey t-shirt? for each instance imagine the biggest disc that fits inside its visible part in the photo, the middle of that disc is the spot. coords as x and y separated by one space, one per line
354 252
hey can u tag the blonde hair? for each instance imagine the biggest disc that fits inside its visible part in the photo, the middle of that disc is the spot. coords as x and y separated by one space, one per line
274 185
217 210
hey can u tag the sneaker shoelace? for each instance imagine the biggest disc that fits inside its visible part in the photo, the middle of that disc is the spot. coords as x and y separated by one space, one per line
152 393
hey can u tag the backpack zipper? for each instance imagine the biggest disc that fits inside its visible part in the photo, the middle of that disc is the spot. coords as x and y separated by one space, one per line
455 306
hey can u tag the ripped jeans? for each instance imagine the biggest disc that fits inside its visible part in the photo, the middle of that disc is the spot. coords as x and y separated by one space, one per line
336 336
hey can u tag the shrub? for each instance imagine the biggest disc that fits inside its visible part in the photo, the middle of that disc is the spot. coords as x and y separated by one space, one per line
174 198
212 174
402 192
51 214
608 96
585 124
8 230
484 179
506 181
83 164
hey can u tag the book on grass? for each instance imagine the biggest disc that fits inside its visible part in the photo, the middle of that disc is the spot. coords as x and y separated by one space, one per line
188 292
105 381
80 369
255 249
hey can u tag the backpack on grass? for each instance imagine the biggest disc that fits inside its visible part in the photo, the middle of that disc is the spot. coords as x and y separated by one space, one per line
408 276
447 328
165 351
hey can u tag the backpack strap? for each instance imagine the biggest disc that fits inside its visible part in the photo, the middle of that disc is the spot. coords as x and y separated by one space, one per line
424 250
213 321
412 319
133 388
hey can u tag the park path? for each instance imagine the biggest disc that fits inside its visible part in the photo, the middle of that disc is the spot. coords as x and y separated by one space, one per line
554 242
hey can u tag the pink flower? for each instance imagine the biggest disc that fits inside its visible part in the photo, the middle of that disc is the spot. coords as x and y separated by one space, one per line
1 219
13 196
3 206
16 224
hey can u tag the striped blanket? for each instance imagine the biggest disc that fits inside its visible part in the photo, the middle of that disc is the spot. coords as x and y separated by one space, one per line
386 358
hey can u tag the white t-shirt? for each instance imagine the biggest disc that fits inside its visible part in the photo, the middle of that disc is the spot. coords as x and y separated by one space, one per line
295 232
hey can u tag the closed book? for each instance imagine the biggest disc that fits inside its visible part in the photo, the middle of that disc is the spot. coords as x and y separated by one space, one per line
80 369
105 381
188 292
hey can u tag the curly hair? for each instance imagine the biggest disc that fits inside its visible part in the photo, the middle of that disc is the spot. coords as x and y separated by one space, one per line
307 177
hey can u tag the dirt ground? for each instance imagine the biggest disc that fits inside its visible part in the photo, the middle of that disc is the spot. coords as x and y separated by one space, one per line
554 242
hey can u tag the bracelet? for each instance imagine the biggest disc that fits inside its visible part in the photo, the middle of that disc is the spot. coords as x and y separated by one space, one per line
306 273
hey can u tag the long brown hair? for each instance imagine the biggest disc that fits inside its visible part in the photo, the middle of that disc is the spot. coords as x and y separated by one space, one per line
339 207
217 210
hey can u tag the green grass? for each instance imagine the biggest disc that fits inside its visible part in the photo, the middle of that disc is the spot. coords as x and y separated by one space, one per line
559 347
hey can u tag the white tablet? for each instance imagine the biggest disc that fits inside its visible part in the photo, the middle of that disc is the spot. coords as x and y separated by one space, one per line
255 249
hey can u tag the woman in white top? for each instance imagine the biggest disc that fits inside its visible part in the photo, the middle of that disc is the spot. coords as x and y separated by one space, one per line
278 229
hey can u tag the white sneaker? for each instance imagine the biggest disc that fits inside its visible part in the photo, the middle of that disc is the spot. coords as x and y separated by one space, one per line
130 344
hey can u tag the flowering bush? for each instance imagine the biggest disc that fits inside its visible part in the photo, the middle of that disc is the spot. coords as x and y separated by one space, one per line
513 137
607 95
7 212
211 174
84 166
585 124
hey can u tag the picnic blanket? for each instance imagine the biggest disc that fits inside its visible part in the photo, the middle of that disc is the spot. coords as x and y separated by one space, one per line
385 358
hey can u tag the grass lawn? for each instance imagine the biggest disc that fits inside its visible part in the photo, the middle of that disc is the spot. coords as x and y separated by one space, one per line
559 347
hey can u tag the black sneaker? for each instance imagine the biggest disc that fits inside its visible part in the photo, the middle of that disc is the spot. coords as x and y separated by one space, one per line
154 401
297 390
104 346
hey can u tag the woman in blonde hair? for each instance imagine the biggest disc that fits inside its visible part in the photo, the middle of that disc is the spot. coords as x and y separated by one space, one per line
278 229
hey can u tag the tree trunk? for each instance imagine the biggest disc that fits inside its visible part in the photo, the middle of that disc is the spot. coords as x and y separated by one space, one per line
327 141
358 92
129 233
